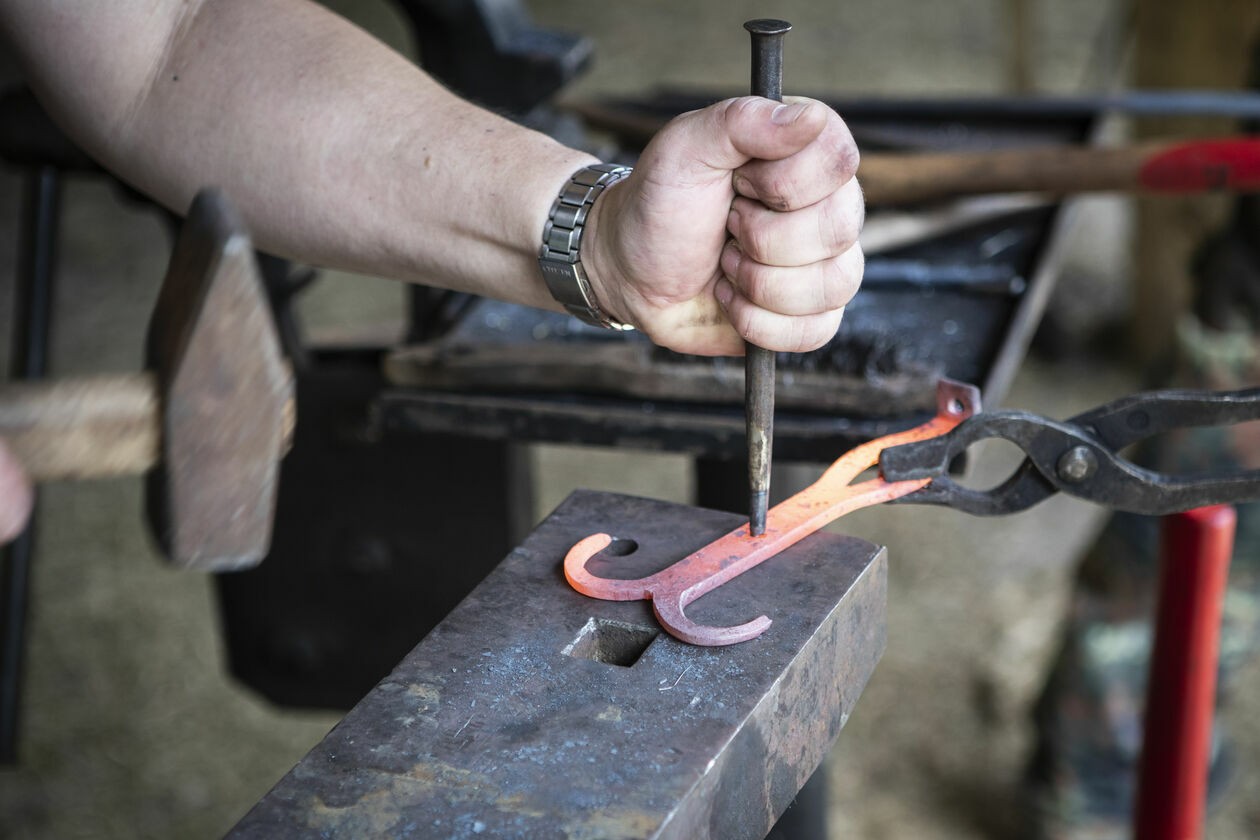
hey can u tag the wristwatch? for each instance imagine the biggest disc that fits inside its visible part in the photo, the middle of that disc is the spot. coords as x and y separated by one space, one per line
560 258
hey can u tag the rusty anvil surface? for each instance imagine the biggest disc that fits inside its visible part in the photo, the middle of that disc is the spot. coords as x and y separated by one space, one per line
503 723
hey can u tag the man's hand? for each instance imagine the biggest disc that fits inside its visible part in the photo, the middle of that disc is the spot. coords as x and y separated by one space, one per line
740 221
16 497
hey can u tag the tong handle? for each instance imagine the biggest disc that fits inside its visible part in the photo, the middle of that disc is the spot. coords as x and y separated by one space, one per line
1131 419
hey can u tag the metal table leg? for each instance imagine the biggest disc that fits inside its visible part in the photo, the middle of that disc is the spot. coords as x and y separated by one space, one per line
28 360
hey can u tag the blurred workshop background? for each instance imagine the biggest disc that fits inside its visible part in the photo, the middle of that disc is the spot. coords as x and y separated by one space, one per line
132 728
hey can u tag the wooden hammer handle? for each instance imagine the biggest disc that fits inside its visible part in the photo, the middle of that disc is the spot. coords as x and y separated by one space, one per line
82 428
1164 167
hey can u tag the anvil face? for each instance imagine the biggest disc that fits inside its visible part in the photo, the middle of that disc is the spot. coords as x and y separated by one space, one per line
534 711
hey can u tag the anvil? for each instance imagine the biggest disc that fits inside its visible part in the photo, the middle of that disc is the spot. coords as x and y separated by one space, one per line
533 711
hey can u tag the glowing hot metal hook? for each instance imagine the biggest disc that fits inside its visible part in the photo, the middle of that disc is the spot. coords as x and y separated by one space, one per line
832 496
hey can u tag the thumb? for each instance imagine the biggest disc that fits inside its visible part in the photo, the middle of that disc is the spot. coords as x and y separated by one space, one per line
728 134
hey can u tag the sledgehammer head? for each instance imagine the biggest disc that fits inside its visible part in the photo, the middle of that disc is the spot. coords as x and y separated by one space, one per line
226 396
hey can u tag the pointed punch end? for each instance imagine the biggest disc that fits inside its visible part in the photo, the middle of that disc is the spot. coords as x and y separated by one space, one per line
758 502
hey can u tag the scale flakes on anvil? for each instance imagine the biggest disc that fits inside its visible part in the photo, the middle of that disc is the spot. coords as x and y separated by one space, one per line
827 499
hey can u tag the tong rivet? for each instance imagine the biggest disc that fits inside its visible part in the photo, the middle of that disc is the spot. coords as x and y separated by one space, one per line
1077 464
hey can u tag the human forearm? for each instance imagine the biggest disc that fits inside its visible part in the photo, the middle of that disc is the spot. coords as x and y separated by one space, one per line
336 150
740 221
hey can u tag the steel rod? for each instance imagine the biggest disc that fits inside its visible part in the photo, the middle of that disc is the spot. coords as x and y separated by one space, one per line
767 81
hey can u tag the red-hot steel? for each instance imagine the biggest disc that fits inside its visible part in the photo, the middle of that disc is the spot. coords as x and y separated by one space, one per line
832 496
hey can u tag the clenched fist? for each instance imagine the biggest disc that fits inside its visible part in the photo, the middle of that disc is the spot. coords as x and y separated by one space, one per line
740 221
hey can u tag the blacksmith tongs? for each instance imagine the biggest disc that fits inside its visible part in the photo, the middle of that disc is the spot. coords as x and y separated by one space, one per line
1077 456
1080 456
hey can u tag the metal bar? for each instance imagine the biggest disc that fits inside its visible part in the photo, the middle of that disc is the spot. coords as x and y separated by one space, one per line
815 382
34 290
767 81
1181 685
1138 103
983 278
28 360
1016 109
532 711
689 428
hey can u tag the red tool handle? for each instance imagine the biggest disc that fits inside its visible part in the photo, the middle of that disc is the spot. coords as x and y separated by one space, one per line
1183 166
1181 691
1204 165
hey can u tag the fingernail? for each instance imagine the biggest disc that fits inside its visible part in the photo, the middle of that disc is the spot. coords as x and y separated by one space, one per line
724 291
744 187
788 114
732 223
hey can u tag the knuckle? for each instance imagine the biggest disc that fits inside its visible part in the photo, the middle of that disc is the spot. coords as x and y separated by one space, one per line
857 260
778 190
815 331
840 278
738 108
844 155
846 277
859 206
827 326
839 222
847 160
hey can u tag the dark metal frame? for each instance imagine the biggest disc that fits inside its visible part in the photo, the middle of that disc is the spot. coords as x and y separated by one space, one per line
28 359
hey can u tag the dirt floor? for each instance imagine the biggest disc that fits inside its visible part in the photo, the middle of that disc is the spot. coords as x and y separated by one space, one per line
132 729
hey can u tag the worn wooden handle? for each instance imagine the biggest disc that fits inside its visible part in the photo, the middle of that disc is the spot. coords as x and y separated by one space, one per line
1178 167
82 428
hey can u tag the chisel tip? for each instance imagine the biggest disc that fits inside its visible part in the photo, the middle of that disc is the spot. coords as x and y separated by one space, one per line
758 501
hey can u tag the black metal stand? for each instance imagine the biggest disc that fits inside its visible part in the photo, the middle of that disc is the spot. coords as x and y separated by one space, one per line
32 320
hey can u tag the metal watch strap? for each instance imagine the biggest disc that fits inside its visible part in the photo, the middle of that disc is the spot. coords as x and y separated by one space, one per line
560 259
